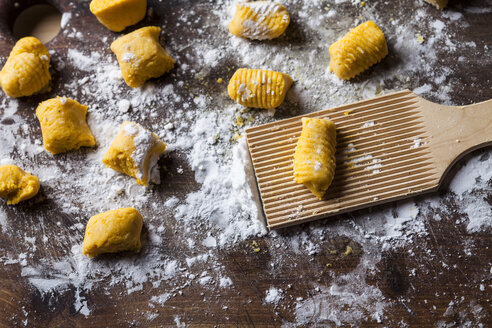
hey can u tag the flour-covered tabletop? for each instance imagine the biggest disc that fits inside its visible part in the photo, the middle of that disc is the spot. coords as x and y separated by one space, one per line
206 255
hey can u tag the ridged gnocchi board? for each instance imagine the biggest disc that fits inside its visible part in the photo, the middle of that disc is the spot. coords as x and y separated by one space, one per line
388 148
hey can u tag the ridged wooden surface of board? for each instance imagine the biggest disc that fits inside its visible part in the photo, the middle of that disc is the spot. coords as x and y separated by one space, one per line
381 156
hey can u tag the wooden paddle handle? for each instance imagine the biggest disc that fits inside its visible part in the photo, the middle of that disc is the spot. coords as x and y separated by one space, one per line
455 131
475 129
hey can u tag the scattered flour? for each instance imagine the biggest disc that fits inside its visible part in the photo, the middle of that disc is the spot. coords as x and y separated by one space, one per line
273 295
416 143
465 180
225 282
124 106
128 57
143 141
66 16
368 124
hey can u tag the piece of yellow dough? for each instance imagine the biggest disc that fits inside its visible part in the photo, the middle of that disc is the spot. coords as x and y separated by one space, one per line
63 125
135 152
116 15
314 157
259 88
26 71
259 20
141 56
16 184
362 47
113 231
438 3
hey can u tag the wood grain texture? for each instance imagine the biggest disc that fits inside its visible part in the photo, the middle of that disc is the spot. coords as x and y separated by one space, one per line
419 301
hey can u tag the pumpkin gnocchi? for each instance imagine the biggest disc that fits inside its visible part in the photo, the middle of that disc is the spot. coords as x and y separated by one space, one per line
117 15
259 20
17 185
26 71
314 157
135 152
63 125
141 56
113 231
259 88
362 47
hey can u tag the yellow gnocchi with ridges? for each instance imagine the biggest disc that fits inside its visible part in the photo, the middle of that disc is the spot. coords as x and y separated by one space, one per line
362 47
26 71
259 20
259 88
314 157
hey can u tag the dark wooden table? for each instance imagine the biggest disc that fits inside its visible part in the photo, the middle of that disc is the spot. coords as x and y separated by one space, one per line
434 280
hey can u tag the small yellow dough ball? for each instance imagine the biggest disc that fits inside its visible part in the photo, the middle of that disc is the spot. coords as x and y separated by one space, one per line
113 231
63 125
16 184
141 56
117 15
26 71
135 152
259 20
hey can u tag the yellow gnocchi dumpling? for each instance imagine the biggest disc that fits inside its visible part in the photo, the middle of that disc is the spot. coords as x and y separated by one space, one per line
141 56
135 152
117 15
259 20
63 125
359 49
259 88
113 231
16 184
26 71
314 157
438 3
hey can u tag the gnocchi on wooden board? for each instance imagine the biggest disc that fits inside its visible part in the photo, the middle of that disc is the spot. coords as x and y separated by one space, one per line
314 157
